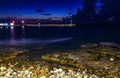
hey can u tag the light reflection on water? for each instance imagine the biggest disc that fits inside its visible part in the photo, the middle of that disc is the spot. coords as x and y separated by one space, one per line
23 31
33 41
24 40
45 35
13 35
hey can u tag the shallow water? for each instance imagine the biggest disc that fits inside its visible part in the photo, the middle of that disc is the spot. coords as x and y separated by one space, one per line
33 41
59 36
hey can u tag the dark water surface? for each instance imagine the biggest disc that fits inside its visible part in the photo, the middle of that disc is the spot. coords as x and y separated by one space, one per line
59 36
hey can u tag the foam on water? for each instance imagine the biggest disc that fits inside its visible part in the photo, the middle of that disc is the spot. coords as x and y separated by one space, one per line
34 41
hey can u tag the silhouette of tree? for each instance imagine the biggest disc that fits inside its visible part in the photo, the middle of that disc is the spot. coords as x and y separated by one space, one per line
66 20
106 11
89 10
117 10
110 10
87 14
77 18
89 7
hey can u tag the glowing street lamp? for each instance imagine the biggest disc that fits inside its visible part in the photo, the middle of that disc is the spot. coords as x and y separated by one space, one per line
13 21
12 24
22 21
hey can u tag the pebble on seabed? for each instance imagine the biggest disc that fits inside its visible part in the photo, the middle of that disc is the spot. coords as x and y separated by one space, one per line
55 73
111 59
3 68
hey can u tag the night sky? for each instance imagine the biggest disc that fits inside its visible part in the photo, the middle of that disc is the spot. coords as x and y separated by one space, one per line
27 8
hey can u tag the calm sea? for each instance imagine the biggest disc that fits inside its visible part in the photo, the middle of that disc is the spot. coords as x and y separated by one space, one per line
59 36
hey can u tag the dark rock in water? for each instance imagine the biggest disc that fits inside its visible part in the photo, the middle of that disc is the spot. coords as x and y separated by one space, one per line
89 45
108 43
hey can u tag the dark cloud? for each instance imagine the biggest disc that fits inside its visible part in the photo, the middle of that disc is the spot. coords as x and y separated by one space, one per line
46 14
70 13
56 17
39 10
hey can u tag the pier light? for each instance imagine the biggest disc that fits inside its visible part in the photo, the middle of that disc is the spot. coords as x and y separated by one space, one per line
12 24
3 24
22 21
13 21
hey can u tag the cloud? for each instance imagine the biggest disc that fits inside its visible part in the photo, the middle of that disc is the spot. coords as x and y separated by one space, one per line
46 14
39 11
56 17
